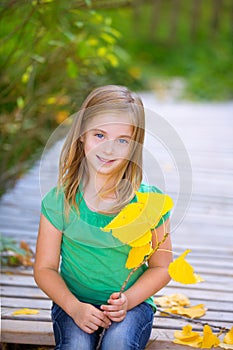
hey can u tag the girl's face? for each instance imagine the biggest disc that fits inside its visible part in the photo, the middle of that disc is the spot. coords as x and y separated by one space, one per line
107 143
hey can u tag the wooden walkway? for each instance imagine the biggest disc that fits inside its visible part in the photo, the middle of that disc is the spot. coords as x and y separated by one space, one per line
207 228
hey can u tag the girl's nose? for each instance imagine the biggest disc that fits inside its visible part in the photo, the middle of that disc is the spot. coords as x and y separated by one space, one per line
109 146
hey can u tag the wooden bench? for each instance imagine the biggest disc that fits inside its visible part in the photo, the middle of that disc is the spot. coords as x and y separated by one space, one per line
19 290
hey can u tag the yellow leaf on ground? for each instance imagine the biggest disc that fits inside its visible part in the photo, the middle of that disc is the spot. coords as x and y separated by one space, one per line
228 339
172 300
192 312
181 271
186 334
209 339
193 344
137 255
25 311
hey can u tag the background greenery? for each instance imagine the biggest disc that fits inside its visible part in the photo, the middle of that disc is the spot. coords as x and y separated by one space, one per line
53 52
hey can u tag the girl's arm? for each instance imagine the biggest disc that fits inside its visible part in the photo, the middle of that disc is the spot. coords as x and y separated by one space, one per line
46 275
152 280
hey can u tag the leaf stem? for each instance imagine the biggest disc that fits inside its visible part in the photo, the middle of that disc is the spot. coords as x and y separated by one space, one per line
203 323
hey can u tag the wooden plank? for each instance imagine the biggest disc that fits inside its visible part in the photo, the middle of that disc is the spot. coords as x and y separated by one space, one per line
26 302
24 292
176 323
204 295
224 319
210 316
8 302
28 280
43 315
18 280
17 331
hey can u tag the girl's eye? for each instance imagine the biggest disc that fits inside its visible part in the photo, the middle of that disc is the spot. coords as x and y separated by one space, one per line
99 136
123 141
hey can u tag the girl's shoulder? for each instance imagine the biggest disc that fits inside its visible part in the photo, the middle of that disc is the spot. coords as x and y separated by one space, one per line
145 188
54 194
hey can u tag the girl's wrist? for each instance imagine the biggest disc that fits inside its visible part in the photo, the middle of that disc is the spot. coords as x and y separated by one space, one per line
71 305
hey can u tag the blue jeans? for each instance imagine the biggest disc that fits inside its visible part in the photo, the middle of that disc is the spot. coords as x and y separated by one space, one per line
132 333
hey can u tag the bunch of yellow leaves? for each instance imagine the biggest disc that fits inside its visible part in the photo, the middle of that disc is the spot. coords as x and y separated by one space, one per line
207 340
177 304
134 223
171 300
192 311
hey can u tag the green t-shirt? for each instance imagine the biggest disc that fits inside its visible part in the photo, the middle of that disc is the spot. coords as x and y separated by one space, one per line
92 261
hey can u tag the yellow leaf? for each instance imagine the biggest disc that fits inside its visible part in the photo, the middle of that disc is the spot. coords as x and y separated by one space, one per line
192 312
112 59
25 311
181 271
137 255
136 219
193 344
187 334
228 339
102 51
209 339
172 300
146 238
61 116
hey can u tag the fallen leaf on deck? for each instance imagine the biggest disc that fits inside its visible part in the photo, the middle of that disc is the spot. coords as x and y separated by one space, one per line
195 343
181 271
228 339
187 337
192 311
209 339
25 311
177 299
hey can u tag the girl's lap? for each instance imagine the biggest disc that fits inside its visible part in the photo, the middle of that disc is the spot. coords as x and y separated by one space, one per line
131 334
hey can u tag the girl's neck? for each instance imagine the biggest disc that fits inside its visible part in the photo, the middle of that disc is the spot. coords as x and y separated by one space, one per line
100 195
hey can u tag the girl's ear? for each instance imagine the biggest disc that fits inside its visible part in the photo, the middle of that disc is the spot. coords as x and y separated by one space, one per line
81 138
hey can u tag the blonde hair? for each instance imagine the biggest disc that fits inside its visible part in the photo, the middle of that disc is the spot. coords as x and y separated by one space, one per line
72 167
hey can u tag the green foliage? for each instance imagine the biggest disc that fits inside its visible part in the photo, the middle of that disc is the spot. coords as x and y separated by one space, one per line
13 254
163 44
51 55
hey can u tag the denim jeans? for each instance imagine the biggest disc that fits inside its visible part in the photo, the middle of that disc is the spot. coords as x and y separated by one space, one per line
132 333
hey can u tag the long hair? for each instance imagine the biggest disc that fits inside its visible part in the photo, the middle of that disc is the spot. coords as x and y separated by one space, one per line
72 166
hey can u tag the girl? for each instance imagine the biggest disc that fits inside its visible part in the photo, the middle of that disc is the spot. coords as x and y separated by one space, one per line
100 171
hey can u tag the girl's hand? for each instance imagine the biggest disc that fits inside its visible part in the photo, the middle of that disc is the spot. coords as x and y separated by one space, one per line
117 307
89 318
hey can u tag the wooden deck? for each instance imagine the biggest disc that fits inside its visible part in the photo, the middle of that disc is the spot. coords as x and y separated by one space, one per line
20 291
207 228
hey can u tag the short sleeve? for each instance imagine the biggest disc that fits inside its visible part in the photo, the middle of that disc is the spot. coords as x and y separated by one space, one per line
52 208
149 188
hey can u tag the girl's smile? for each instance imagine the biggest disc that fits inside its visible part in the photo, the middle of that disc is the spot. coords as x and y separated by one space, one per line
105 161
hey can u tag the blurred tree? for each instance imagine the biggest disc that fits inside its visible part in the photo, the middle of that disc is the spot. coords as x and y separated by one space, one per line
51 54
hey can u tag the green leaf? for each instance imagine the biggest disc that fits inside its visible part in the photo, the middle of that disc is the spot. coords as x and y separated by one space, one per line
88 3
20 102
72 69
